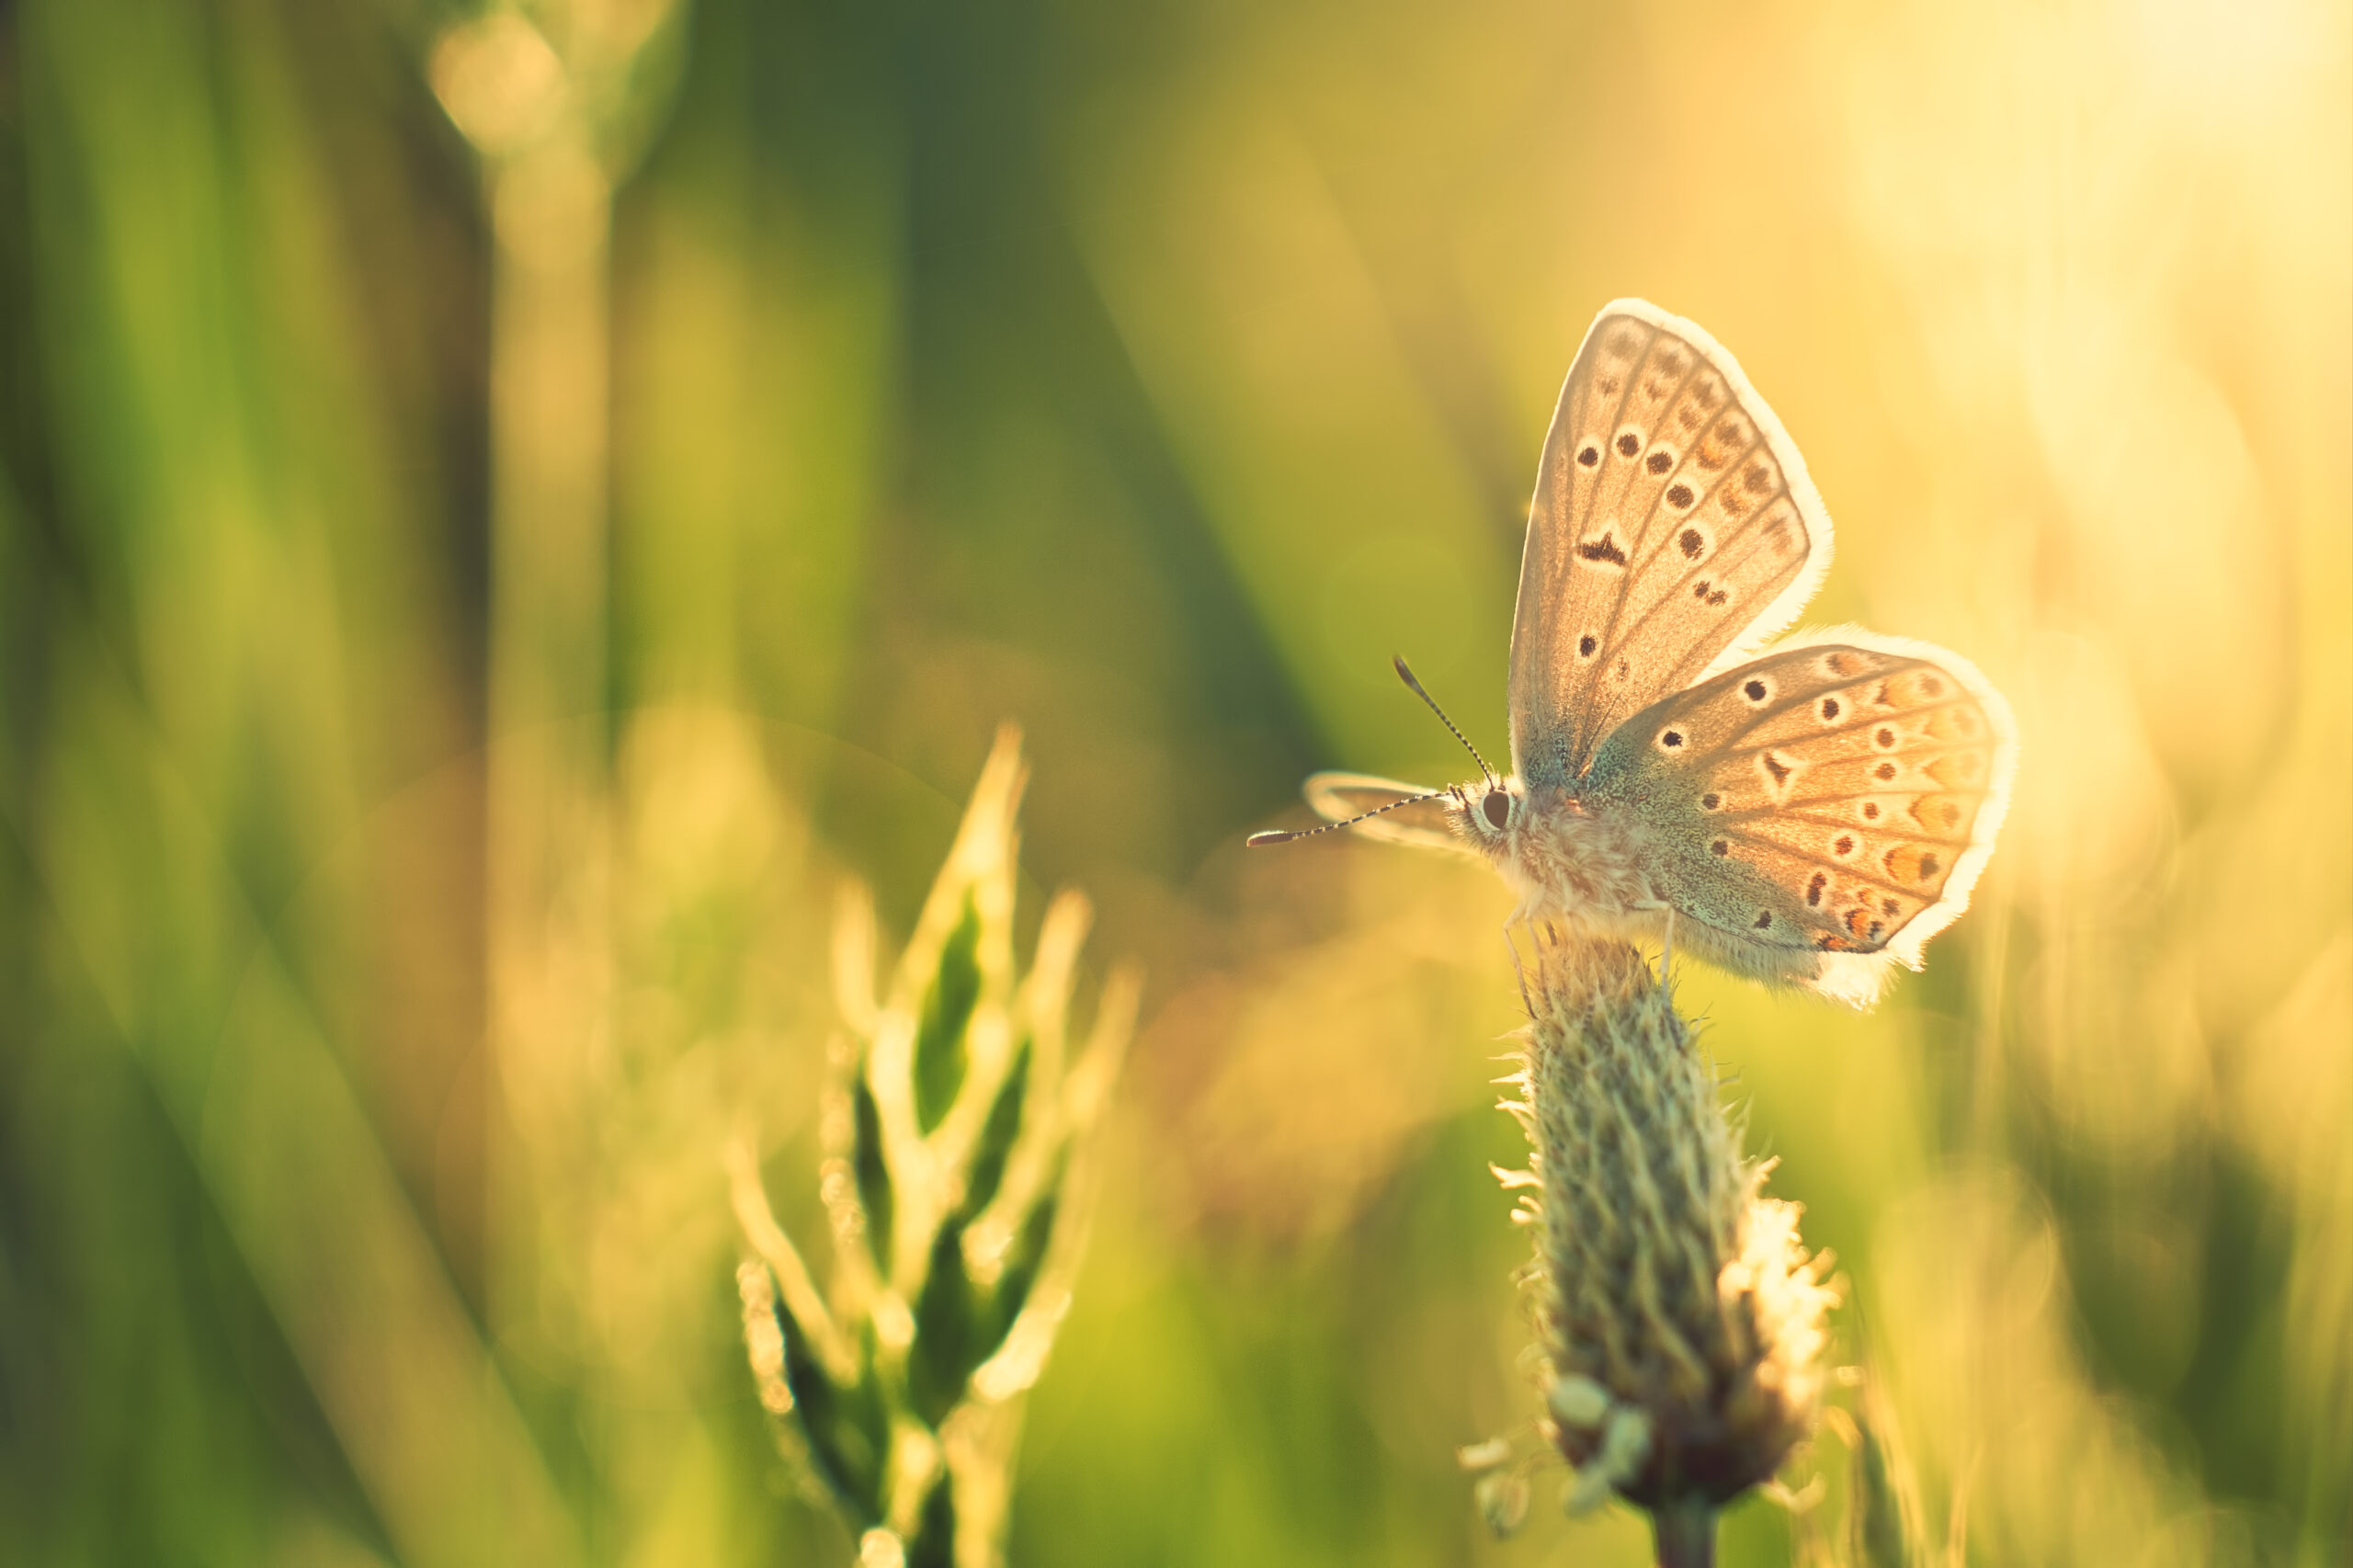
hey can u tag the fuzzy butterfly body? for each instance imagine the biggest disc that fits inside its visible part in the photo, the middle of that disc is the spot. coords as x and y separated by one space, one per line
1811 814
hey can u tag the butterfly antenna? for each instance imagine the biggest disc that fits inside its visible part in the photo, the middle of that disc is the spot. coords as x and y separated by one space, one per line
1405 673
1278 837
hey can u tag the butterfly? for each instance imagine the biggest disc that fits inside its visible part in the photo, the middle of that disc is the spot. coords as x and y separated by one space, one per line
1807 813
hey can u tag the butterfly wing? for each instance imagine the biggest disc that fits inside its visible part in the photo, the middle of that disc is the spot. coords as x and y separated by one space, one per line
1337 797
1673 522
1829 802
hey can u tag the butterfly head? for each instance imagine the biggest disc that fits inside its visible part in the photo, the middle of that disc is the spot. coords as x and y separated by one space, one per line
1487 812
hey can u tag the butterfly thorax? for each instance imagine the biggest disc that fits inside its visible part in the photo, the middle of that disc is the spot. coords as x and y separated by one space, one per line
1563 860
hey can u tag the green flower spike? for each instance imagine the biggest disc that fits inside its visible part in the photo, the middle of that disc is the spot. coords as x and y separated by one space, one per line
1680 1319
957 1138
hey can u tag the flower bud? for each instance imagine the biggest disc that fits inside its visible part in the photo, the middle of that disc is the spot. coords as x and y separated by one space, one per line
1503 1502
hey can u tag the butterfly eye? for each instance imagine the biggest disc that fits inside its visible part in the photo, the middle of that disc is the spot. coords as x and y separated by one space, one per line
1498 808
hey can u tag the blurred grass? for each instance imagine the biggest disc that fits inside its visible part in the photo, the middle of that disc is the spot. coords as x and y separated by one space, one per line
1147 375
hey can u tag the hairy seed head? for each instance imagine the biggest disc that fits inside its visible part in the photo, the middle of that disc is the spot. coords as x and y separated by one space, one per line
1682 1319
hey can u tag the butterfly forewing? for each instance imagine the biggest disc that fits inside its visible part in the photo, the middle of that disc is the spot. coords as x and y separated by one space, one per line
1339 797
1672 521
1826 796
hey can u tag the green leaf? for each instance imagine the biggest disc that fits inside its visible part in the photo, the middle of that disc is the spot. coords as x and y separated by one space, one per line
873 1175
933 1545
942 1358
1877 1512
845 1427
995 1145
1023 1259
942 1053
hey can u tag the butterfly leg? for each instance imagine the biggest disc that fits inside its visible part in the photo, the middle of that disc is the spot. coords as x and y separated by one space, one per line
1519 970
1667 947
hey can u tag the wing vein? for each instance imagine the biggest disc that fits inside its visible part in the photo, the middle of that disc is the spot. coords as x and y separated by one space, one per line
1780 708
1844 870
1911 754
1609 641
1581 744
1752 538
1863 829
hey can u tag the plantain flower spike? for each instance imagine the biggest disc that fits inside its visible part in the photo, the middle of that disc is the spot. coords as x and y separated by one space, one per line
1680 1319
958 1132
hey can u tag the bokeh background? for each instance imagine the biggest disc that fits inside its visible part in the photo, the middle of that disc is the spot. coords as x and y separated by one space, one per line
501 512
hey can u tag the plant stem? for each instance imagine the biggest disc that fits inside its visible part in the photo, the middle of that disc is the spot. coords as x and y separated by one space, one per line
1685 1528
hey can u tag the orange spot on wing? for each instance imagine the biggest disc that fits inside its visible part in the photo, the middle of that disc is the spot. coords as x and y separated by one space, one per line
1956 768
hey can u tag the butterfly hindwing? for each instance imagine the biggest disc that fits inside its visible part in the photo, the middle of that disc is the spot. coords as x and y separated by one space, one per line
1835 797
1673 521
